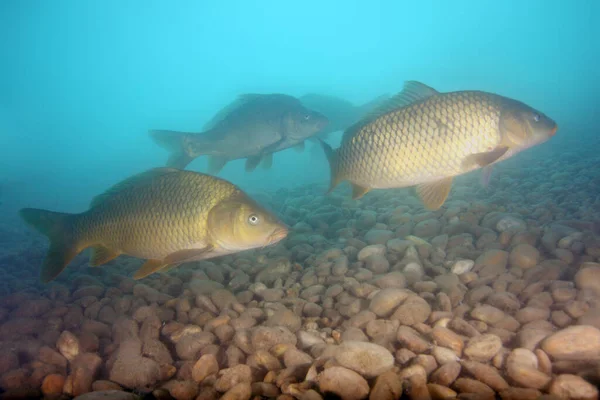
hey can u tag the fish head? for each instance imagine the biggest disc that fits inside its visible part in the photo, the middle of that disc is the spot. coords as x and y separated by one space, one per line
302 123
522 127
239 223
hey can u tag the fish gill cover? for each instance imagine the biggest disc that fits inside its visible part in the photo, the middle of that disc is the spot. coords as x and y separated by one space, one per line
377 199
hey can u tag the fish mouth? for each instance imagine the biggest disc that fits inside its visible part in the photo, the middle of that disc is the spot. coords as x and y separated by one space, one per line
553 131
322 123
277 235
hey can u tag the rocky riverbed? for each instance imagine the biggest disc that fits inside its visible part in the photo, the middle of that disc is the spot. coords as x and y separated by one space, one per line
497 294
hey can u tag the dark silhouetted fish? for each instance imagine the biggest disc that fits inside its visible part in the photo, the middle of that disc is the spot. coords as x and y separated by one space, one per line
253 126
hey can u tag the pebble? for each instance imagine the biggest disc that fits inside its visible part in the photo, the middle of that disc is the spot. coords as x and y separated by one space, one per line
462 266
368 359
485 374
378 236
568 386
344 383
205 366
445 337
446 374
522 368
491 263
579 342
524 256
483 348
230 377
367 251
588 277
413 310
495 294
263 337
107 395
387 387
387 300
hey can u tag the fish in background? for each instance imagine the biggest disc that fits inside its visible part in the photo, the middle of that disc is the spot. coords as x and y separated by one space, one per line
341 113
254 126
423 137
164 215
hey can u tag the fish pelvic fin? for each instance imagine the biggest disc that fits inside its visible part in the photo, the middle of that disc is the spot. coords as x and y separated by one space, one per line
101 255
148 268
359 191
252 162
486 175
267 161
331 155
216 164
434 194
64 244
183 147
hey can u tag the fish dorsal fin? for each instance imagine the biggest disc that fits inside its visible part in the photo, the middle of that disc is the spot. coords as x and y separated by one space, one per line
229 108
141 179
412 92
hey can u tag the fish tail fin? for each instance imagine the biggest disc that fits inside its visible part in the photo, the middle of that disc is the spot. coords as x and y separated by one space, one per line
178 145
64 244
331 155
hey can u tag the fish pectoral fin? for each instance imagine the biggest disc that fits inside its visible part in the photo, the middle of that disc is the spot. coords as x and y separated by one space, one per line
273 147
267 161
486 175
299 147
181 256
148 268
434 194
216 164
252 163
486 158
102 255
359 191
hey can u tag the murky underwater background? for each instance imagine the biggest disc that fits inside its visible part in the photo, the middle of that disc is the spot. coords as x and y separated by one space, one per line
495 294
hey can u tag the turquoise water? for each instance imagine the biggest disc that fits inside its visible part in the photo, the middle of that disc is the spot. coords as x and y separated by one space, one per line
82 82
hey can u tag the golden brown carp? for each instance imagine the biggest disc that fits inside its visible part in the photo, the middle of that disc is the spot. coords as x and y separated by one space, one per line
164 215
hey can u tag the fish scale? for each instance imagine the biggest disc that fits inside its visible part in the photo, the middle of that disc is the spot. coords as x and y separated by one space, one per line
423 137
432 143
137 222
164 215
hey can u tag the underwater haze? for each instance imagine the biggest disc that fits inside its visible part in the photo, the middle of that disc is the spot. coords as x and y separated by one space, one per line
295 287
83 82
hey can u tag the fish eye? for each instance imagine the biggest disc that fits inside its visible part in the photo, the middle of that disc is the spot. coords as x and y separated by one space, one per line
253 219
536 117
